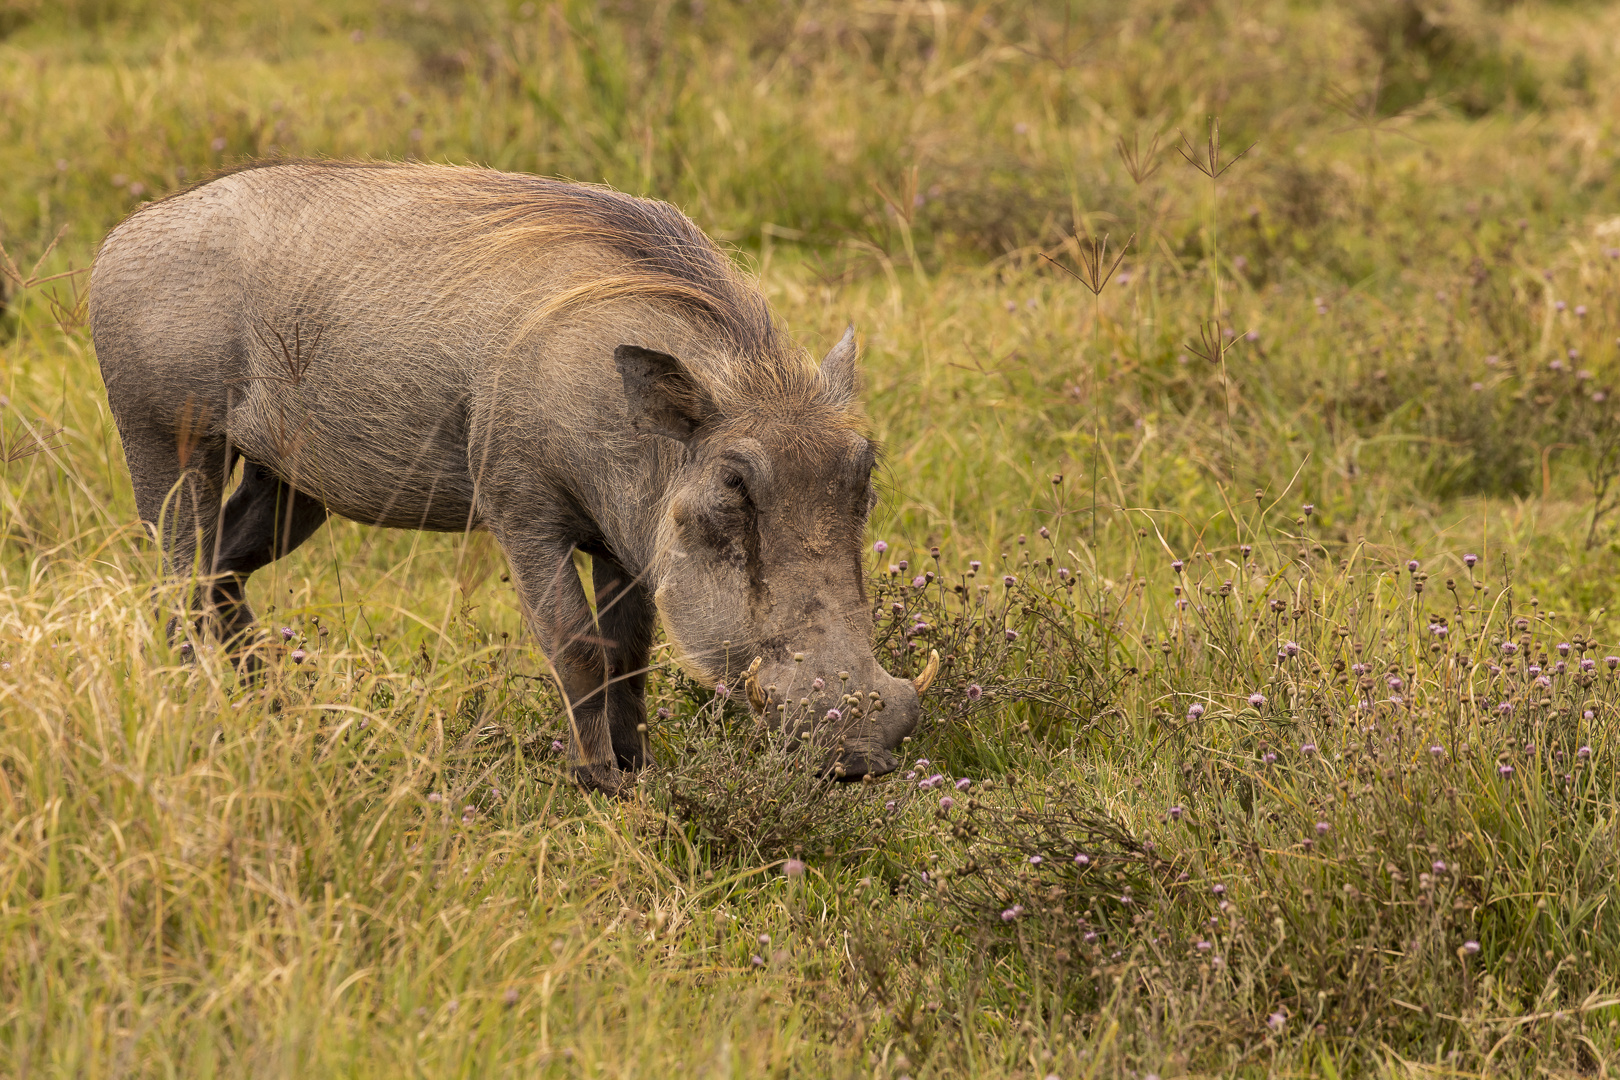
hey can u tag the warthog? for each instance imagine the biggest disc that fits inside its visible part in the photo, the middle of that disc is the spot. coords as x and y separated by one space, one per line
429 347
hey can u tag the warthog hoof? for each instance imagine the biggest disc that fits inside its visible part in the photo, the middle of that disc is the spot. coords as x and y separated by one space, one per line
604 778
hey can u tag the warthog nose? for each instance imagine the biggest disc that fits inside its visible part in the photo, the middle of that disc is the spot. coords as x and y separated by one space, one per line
854 763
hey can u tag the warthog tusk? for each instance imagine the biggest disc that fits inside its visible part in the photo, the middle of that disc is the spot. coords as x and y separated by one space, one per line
756 697
926 679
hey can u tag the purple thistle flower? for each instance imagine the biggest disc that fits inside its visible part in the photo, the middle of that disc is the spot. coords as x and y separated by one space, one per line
974 565
298 656
793 868
1203 946
1090 938
720 690
946 802
1268 758
1563 648
1257 699
1176 812
963 784
1509 648
1308 748
1612 661
1291 648
557 746
1584 752
1009 580
1323 828
1195 711
1470 560
1012 635
1412 566
834 715
1437 750
918 582
1012 913
1310 508
974 692
1177 565
880 547
286 633
1034 860
1218 889
1439 866
1082 859
1588 664
1470 947
1504 771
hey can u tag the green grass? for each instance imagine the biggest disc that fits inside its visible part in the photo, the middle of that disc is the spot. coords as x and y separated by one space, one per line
199 878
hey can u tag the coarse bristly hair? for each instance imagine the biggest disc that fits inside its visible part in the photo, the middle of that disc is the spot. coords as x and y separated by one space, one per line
655 255
630 249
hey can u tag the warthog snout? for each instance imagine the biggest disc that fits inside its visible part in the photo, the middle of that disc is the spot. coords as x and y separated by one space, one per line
856 719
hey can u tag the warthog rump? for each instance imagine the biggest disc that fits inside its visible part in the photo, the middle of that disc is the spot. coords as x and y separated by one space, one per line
430 347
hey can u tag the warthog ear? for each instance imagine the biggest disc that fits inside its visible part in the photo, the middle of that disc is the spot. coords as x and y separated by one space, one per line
838 370
660 394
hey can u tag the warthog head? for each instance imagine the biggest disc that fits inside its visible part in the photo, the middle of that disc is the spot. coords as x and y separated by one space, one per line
758 567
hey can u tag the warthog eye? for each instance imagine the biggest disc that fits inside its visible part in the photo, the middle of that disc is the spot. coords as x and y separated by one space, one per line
734 482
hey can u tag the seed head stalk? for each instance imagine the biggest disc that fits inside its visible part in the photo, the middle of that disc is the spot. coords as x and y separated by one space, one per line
1140 165
1207 160
1095 271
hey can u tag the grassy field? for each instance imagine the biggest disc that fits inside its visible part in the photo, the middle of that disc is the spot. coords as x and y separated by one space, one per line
1275 571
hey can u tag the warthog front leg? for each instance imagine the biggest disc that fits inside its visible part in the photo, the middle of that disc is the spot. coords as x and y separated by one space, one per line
560 617
627 620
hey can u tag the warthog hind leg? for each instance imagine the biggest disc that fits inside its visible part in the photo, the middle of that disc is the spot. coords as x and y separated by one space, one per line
265 518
